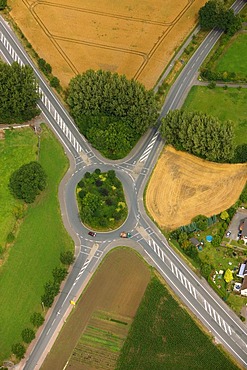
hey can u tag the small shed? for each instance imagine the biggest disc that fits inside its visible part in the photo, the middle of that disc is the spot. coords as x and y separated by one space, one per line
195 242
242 270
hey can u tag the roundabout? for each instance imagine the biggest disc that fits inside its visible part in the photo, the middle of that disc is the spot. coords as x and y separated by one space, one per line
133 172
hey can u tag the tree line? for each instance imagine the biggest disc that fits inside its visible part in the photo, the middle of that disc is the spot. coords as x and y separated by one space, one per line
18 93
199 134
215 14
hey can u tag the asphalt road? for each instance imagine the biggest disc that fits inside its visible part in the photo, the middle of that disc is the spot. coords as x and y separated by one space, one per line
134 172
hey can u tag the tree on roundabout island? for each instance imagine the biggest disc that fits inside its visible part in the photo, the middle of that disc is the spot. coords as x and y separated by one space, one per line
101 200
111 111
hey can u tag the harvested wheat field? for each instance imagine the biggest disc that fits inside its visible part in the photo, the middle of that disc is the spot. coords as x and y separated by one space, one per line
101 320
183 186
136 38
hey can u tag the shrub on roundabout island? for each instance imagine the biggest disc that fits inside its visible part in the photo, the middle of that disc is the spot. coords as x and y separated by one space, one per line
101 200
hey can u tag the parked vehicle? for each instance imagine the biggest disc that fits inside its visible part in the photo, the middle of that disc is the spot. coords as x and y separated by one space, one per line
124 234
228 233
92 233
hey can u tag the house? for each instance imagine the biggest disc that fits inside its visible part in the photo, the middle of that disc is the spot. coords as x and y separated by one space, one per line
195 242
244 287
243 230
242 272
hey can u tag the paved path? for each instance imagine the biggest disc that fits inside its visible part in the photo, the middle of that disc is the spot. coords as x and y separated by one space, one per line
220 84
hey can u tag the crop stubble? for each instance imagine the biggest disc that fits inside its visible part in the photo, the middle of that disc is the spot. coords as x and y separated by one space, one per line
137 40
183 186
114 293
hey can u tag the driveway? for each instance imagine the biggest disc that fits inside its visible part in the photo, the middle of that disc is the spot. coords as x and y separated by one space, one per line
239 216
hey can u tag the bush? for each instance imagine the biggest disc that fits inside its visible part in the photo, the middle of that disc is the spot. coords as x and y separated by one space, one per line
51 290
97 171
59 274
205 270
27 182
10 238
67 258
19 350
45 67
27 335
201 222
216 241
37 319
240 154
54 82
212 85
3 4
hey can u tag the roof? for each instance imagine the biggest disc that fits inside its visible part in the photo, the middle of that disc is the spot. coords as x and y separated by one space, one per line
244 232
242 270
195 241
244 285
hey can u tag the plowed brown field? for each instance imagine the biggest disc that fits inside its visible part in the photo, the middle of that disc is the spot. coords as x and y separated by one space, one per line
134 38
183 186
99 324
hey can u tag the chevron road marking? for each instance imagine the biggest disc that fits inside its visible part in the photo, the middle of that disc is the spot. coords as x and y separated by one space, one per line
148 149
189 287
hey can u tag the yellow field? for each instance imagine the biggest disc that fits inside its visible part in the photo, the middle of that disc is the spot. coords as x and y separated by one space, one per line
183 186
133 38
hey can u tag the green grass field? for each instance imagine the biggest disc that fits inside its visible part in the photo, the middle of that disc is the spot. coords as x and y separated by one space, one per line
19 147
234 59
224 104
36 251
164 336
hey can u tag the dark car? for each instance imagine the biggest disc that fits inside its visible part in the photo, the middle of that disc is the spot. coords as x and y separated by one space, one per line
240 233
92 233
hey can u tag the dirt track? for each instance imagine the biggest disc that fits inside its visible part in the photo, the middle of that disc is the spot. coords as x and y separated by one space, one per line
183 186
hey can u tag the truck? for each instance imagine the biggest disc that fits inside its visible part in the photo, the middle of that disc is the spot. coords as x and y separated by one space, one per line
124 234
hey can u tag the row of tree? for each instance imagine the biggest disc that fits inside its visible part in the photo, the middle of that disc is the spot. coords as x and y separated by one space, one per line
200 134
111 94
215 14
18 93
111 111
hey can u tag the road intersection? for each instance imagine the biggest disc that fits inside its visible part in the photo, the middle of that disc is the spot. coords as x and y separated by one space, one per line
133 172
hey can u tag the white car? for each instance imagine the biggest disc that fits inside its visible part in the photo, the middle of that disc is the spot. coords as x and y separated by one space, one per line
228 233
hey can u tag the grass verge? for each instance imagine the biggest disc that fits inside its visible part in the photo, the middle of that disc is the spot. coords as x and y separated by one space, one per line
224 104
234 57
169 339
36 252
18 147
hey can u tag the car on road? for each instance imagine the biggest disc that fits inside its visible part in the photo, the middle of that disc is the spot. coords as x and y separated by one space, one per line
228 233
92 233
124 234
